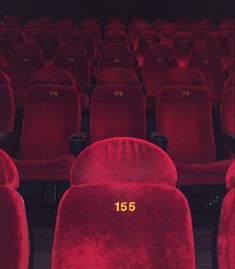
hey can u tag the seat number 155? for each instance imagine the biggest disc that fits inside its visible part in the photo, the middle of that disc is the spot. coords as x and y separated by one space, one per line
125 206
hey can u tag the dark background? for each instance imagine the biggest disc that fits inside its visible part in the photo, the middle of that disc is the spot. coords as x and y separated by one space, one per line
148 9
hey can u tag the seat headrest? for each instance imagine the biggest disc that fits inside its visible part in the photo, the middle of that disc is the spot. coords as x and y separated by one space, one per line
59 26
159 49
33 25
117 76
8 173
53 75
4 79
48 34
183 36
28 48
123 159
205 50
230 82
216 36
71 47
81 34
115 48
230 176
149 35
13 33
183 76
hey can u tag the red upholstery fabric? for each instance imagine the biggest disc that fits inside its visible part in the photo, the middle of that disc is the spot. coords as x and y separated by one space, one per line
7 111
48 41
46 128
14 241
117 110
119 160
117 76
23 62
10 38
116 49
226 234
230 176
206 60
115 61
145 238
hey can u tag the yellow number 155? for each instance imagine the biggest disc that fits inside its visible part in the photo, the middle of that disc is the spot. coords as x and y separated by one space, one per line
125 206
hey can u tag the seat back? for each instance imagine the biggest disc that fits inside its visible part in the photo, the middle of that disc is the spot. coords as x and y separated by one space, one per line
184 115
117 110
115 61
14 238
52 100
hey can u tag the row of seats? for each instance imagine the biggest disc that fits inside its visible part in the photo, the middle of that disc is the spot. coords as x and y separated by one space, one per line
52 117
94 231
89 49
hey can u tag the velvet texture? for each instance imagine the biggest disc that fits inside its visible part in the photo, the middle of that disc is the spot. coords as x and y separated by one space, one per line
183 114
14 241
115 61
226 235
128 160
48 41
7 111
117 110
91 234
23 62
117 76
205 59
46 129
116 49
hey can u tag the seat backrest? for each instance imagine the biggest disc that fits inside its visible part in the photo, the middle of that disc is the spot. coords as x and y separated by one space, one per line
115 49
226 236
184 115
160 227
117 76
13 226
115 61
206 60
123 160
7 105
52 100
117 110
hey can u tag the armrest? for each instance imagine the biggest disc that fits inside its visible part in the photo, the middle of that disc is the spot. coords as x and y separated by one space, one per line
229 139
9 142
78 142
159 139
89 88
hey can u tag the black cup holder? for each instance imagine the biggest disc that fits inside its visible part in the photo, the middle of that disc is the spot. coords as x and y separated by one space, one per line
160 140
77 142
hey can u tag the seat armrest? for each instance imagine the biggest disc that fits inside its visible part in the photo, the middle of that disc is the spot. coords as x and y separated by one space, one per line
159 139
78 142
9 142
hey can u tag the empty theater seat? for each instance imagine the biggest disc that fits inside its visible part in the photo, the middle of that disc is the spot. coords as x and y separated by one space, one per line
160 60
51 115
205 59
115 49
7 105
184 115
115 61
14 241
226 236
24 60
141 236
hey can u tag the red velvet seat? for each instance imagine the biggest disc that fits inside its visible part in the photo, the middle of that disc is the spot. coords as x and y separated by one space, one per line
184 115
25 59
155 67
168 30
220 40
63 31
144 238
226 235
199 33
115 61
51 115
14 241
115 49
7 105
31 30
48 41
182 43
116 36
205 59
117 110
121 76
227 118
